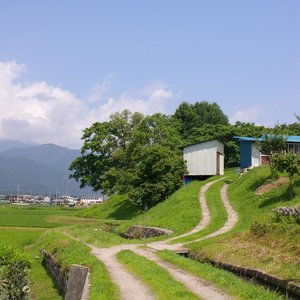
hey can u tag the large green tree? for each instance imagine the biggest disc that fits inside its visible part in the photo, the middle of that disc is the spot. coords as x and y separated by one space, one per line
132 154
272 145
104 151
196 115
289 163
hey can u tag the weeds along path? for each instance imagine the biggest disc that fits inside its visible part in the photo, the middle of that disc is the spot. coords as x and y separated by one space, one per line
132 288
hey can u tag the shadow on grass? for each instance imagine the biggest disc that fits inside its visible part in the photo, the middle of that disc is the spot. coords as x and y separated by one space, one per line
259 182
124 210
285 196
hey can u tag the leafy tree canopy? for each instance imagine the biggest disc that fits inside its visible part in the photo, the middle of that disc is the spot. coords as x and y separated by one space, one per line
289 163
132 154
196 115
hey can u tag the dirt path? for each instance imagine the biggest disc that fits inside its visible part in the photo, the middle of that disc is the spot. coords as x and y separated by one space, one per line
203 289
232 216
131 288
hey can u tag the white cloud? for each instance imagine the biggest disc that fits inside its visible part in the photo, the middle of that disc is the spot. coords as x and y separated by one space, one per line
149 100
250 114
42 113
98 91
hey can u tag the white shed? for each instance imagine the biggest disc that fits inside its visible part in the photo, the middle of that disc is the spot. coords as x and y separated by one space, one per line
204 159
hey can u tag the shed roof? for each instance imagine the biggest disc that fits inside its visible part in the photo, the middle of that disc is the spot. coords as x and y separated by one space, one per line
293 139
289 138
202 142
248 139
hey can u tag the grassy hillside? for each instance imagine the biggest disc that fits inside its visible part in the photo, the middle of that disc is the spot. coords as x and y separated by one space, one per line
117 207
68 252
180 212
259 240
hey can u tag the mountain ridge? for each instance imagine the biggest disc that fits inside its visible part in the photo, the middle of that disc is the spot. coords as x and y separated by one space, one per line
38 169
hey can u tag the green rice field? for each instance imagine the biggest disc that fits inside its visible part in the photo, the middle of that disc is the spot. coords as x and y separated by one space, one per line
32 216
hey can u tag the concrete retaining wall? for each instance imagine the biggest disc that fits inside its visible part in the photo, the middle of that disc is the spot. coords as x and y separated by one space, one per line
143 232
287 286
73 284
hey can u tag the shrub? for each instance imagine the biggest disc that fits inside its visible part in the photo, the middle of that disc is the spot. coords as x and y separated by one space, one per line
14 266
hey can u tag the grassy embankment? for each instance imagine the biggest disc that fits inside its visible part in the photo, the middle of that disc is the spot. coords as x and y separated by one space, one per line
28 229
259 240
68 252
217 210
226 281
180 213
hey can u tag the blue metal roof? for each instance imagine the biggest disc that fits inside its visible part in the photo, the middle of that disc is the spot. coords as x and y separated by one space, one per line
248 139
293 139
289 138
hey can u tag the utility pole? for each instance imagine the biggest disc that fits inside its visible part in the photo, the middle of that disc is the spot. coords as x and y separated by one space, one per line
66 188
18 190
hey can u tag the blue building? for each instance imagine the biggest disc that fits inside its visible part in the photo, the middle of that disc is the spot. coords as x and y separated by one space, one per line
250 150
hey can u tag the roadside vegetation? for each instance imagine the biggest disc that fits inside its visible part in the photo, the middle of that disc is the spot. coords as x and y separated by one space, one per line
160 282
226 281
14 266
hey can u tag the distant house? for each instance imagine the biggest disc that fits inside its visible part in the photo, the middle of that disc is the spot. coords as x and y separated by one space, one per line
90 200
204 159
250 150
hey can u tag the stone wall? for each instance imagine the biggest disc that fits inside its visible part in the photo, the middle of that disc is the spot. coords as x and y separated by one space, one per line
288 287
73 284
143 232
59 275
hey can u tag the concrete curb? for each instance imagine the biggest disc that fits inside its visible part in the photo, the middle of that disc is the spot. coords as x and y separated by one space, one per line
287 286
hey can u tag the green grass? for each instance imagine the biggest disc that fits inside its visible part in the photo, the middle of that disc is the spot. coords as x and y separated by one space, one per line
98 234
31 216
180 212
68 252
159 280
217 211
19 236
274 249
41 285
117 207
222 279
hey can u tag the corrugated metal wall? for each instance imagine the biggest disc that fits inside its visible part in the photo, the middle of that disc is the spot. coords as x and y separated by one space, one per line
202 158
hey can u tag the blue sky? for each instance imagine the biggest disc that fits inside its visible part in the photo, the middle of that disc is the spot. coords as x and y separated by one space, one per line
66 64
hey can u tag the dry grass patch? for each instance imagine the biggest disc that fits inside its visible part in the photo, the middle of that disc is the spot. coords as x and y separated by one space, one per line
268 186
274 255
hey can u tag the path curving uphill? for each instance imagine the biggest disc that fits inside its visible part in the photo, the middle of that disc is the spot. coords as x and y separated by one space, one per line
132 288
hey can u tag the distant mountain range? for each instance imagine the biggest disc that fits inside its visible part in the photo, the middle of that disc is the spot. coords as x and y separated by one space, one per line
37 169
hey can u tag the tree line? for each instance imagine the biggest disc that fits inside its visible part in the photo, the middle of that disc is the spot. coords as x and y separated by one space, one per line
141 156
